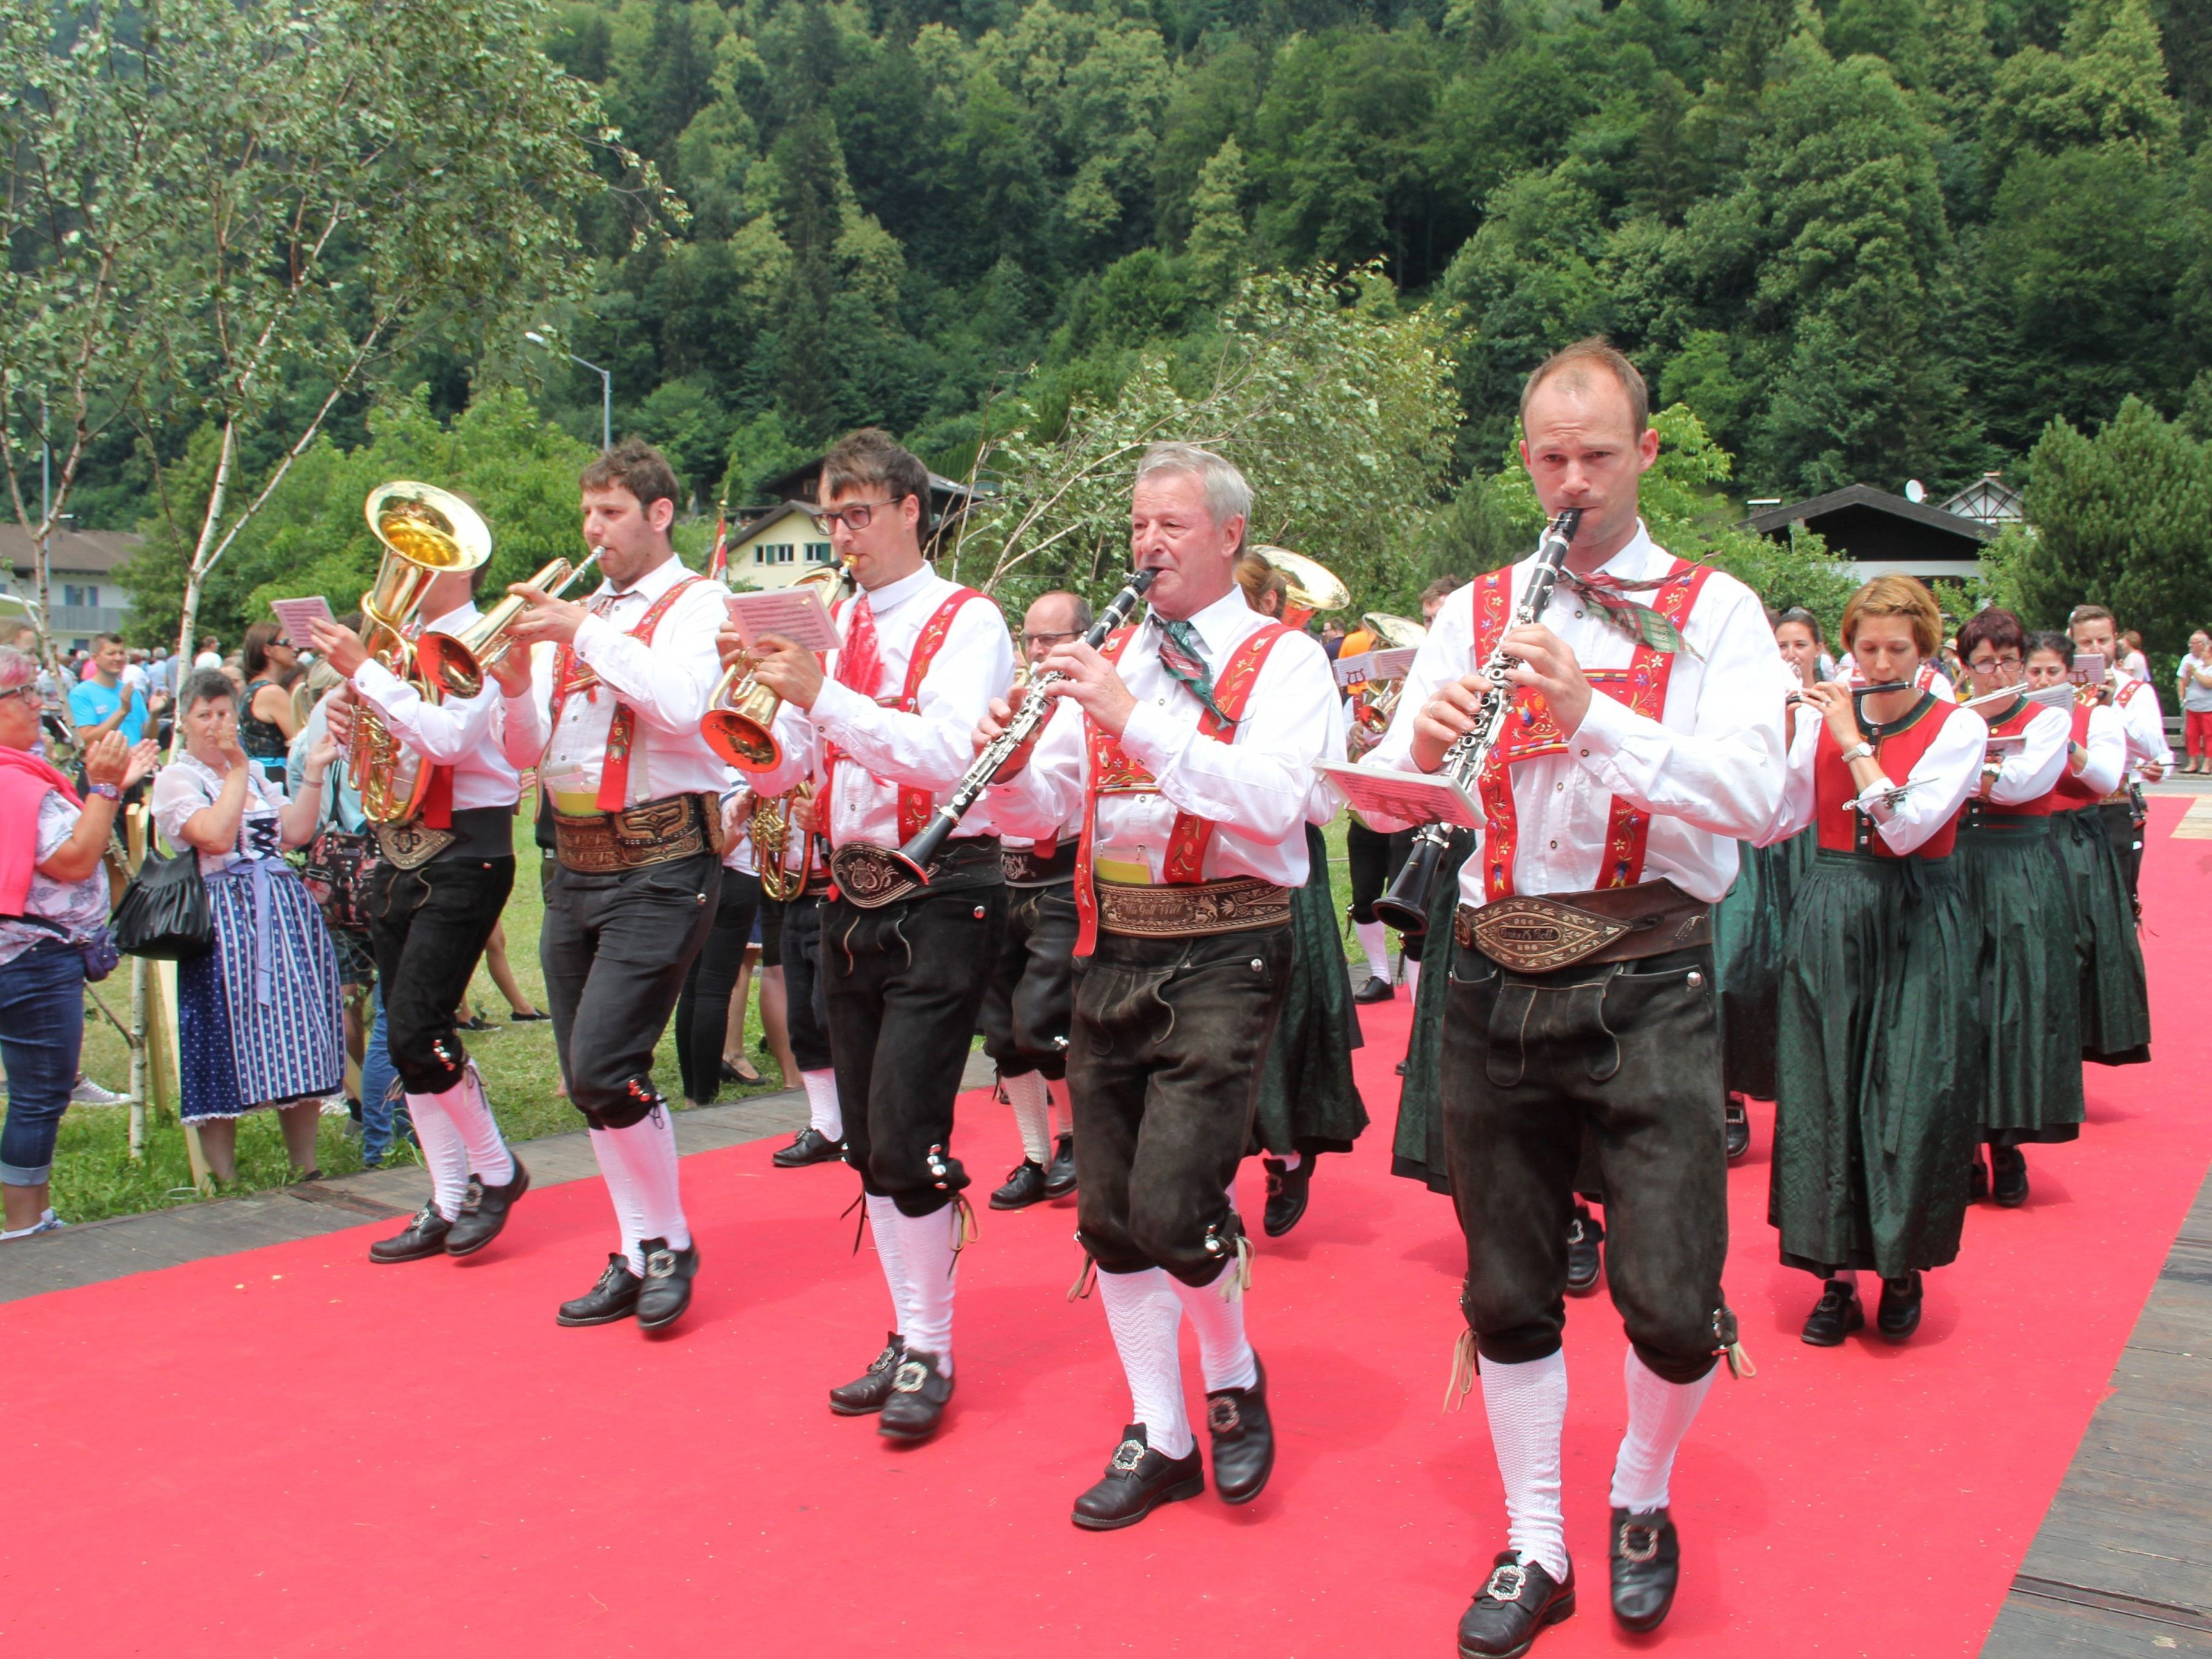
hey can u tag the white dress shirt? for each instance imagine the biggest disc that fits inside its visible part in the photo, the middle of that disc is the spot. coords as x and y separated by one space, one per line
1257 791
2144 723
666 686
2034 772
2106 745
1709 770
1935 788
881 749
466 734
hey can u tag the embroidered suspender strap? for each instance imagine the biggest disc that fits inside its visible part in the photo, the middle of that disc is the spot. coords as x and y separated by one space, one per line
1112 768
614 774
1627 829
915 805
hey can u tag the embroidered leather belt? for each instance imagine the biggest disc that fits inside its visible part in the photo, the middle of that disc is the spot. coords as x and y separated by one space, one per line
652 832
1024 868
477 832
1234 904
1535 935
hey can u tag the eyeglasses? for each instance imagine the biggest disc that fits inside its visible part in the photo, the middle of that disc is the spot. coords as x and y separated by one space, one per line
856 516
14 691
1040 642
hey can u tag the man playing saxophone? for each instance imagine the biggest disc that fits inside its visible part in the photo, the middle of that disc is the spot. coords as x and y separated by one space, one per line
1642 741
441 880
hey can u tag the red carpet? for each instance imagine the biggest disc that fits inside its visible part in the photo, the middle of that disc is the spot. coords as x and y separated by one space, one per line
291 1452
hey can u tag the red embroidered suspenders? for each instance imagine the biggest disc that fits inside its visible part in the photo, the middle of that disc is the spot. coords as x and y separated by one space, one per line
914 804
1113 773
614 775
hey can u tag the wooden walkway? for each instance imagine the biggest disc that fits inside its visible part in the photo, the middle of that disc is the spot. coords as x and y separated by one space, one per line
2123 1564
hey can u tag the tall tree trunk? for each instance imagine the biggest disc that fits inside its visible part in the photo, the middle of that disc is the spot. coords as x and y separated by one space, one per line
203 553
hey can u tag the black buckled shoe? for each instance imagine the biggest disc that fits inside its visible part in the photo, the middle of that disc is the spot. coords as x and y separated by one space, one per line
1025 1185
1060 1173
1647 1565
1376 989
424 1236
484 1211
1516 1602
1137 1481
2008 1176
1243 1438
1287 1192
1978 1179
667 1289
1585 1261
866 1393
918 1396
1898 1315
614 1297
1834 1316
1736 1127
809 1145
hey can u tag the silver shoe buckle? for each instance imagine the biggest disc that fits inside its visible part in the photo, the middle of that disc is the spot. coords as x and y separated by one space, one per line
1507 1583
911 1375
1127 1455
1222 1415
1631 1550
661 1264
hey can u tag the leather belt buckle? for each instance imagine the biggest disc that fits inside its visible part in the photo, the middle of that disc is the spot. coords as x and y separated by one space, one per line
412 845
1532 935
1233 904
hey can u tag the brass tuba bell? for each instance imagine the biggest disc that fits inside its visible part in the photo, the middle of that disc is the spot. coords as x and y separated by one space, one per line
425 532
739 724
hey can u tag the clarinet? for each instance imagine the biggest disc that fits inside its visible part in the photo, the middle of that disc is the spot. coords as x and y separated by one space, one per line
866 870
1405 906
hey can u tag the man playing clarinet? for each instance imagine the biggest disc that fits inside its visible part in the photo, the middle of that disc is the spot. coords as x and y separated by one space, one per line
885 729
1644 740
1187 744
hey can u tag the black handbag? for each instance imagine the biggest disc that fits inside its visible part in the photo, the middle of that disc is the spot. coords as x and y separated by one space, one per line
164 913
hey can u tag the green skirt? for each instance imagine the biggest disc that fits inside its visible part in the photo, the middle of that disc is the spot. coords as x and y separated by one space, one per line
2114 996
1747 929
1874 1126
2029 1087
1308 1100
1417 1151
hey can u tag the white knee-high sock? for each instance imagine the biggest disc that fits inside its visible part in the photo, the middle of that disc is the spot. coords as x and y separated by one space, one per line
646 1151
1032 1113
1145 1316
466 1103
1375 940
926 1247
1225 1356
1527 1405
444 1154
1660 1414
884 1226
1412 977
622 1190
824 1115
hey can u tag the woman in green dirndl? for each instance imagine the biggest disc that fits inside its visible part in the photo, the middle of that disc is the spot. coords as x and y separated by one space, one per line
2030 1080
1749 920
1879 1015
2114 998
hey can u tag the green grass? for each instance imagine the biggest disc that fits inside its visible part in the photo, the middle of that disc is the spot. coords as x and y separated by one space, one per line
95 1177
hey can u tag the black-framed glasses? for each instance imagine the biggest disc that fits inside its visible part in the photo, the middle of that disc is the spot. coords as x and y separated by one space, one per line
1045 641
14 691
856 516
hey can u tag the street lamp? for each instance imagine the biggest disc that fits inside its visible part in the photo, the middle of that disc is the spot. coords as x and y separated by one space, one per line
606 387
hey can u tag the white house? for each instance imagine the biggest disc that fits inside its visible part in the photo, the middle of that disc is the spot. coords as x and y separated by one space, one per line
777 549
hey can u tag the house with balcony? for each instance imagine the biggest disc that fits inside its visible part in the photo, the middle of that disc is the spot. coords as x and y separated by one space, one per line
85 593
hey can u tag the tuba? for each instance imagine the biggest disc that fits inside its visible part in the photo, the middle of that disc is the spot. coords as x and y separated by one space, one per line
458 663
425 532
739 724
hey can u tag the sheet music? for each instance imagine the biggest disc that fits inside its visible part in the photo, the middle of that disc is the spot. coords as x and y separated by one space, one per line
796 614
1408 797
296 614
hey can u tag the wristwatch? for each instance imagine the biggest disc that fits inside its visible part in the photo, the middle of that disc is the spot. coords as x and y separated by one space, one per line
1860 751
108 790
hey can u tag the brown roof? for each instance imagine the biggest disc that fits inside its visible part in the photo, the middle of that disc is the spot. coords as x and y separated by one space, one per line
94 552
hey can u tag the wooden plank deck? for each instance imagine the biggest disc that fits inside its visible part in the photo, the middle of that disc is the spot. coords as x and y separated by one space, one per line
2123 1564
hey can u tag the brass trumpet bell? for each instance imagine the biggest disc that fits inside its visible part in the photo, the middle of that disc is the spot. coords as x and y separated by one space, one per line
460 662
739 725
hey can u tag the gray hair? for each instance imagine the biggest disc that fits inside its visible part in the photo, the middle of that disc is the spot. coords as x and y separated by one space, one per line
206 685
1227 495
17 668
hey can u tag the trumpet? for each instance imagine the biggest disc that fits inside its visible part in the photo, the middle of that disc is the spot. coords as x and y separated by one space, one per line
1405 906
458 663
771 834
425 532
870 875
739 724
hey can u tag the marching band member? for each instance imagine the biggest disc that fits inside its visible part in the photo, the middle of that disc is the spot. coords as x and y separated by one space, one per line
919 660
1880 1025
2030 1079
634 795
2094 633
1371 856
790 947
1189 743
2114 995
1027 1009
441 882
1645 741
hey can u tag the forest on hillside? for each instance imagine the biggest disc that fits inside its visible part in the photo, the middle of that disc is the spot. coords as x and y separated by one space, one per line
1857 240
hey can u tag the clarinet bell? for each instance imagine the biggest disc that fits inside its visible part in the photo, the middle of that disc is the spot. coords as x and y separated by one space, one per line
1405 906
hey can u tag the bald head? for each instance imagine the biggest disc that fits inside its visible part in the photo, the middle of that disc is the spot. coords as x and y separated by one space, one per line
1052 619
